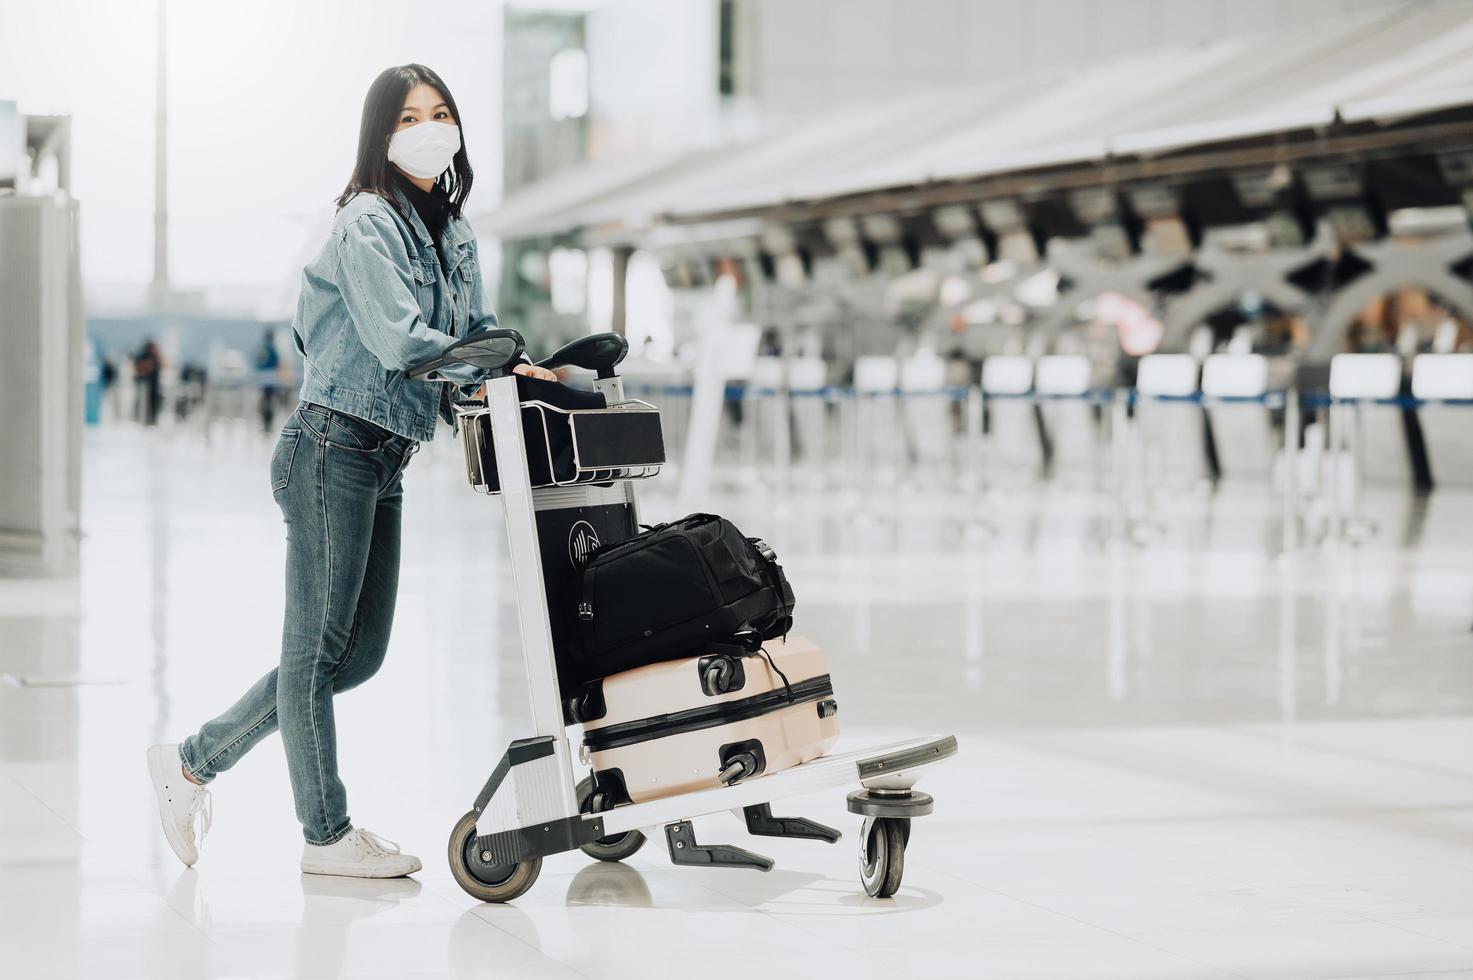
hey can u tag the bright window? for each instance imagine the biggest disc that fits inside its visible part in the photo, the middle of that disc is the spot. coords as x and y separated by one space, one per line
567 81
567 270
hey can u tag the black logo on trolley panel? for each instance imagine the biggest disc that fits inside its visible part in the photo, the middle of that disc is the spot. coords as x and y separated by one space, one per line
582 542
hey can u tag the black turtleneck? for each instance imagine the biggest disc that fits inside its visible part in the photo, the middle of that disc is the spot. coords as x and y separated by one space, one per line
433 208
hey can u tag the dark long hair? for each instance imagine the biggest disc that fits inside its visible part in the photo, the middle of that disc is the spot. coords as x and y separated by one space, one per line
381 107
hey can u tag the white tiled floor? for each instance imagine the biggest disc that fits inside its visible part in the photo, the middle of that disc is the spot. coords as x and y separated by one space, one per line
1192 759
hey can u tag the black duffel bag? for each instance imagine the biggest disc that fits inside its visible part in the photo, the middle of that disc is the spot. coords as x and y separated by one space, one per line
669 592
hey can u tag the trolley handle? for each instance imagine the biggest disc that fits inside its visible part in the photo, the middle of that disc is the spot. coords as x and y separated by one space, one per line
491 350
599 352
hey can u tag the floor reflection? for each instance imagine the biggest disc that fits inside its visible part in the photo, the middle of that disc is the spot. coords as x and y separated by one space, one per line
329 905
1191 732
610 884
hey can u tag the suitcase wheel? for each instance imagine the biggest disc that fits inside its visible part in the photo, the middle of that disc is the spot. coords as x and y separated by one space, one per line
882 843
615 847
721 675
742 760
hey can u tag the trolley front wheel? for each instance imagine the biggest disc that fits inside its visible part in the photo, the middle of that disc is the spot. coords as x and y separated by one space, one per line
882 843
481 877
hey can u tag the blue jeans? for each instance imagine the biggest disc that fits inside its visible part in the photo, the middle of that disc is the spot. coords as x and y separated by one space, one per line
338 481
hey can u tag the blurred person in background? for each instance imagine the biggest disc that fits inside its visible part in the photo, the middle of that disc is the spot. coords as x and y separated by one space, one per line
109 377
148 367
268 364
1375 327
958 375
193 379
770 344
1281 340
396 282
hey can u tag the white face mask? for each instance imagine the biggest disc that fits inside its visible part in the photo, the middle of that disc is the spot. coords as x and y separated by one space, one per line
425 150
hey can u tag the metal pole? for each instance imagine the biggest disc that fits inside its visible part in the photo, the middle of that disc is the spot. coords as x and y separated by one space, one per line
974 439
1332 459
1291 470
527 579
978 463
1288 652
859 415
161 163
1119 461
782 437
618 320
1358 472
751 403
817 455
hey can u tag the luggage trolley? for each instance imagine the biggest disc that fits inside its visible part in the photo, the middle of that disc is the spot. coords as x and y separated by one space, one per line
559 506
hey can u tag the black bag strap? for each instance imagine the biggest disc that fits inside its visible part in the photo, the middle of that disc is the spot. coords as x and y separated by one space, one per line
778 583
747 643
787 687
585 597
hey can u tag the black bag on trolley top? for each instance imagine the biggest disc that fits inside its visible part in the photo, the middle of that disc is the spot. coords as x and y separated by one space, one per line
547 436
675 589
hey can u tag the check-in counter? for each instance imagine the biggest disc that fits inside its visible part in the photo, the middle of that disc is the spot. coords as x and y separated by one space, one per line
1239 408
874 428
1442 384
806 395
925 408
1367 416
1169 416
1013 434
1070 415
765 434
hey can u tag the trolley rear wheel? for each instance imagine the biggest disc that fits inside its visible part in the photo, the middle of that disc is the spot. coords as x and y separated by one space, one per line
478 875
614 847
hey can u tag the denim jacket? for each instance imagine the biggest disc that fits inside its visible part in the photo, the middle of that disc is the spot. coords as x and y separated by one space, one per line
375 301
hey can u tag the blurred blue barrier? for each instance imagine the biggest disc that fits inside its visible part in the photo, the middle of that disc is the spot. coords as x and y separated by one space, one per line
1321 399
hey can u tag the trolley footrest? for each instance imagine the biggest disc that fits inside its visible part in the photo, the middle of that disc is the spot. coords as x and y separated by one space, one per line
761 823
681 838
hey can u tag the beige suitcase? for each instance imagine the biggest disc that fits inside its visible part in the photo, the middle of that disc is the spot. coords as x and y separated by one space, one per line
706 721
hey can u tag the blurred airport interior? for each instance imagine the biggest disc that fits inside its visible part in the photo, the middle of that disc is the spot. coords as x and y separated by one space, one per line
1111 358
980 253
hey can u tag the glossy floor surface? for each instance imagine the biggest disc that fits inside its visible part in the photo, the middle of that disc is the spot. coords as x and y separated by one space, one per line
1192 757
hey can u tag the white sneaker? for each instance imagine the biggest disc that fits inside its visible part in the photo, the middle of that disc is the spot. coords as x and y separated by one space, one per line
181 803
358 854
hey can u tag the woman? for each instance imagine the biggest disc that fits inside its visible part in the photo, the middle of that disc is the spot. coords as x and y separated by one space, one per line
396 281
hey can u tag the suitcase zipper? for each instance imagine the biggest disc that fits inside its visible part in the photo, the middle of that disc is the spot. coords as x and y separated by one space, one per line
710 716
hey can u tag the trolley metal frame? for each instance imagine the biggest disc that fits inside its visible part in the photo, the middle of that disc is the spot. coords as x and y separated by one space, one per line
530 806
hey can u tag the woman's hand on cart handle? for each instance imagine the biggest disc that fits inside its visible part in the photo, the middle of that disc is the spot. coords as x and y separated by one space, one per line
529 370
533 371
